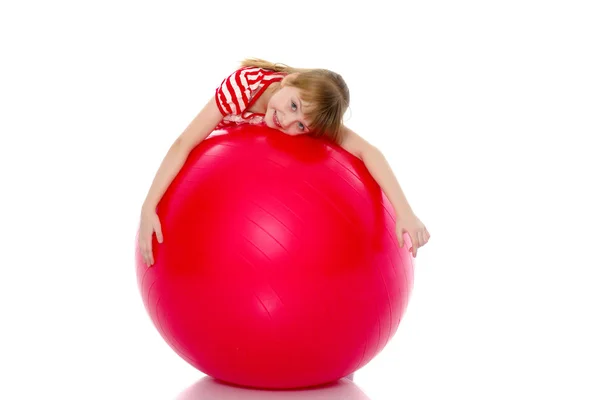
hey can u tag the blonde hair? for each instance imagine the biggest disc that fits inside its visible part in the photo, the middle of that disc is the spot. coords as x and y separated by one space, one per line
325 91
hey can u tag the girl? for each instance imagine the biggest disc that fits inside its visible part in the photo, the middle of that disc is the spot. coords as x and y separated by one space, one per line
294 101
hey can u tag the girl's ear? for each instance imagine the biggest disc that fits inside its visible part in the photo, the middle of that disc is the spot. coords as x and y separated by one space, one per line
289 78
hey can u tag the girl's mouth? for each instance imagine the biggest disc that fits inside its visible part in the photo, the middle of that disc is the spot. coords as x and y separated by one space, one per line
275 120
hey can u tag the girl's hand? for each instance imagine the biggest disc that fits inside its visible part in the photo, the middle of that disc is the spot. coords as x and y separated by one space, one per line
149 224
410 224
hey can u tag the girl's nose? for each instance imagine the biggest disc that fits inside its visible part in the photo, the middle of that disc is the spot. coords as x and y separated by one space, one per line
283 120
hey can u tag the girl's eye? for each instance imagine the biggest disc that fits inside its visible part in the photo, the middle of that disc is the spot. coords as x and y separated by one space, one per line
300 124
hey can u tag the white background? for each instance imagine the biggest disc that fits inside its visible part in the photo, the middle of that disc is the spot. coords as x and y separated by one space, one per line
488 111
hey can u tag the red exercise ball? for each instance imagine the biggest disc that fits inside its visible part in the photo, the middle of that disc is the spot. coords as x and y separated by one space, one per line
280 267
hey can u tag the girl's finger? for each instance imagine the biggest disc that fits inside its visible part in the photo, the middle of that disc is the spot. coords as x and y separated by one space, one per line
143 252
415 243
148 254
421 238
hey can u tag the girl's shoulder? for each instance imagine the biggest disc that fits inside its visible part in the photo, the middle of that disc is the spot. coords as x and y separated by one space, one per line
254 75
238 91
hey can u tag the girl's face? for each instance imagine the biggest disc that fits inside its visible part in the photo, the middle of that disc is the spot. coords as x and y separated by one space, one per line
285 111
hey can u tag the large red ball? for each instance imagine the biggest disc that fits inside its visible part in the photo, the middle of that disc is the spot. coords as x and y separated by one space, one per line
280 267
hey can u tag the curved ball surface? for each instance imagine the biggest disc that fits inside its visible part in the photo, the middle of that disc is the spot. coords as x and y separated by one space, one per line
280 267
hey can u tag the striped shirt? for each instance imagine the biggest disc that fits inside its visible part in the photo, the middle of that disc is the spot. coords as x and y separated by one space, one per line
239 91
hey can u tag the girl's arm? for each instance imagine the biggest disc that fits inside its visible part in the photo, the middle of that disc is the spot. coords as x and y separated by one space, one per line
198 130
376 163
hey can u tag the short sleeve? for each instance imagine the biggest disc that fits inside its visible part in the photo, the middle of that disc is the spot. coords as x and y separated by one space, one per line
235 92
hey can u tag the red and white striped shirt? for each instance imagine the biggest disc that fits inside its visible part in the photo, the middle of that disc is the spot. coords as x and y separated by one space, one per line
239 91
